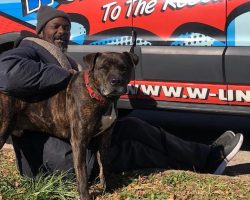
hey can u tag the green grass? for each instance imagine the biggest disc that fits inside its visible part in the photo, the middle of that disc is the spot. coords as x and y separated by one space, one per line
148 185
54 186
15 187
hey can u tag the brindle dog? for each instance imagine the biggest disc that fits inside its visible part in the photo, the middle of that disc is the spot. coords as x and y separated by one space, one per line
85 109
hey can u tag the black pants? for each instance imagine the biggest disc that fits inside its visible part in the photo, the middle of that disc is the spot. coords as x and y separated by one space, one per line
135 145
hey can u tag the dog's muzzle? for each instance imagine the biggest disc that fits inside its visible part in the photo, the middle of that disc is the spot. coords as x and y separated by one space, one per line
116 87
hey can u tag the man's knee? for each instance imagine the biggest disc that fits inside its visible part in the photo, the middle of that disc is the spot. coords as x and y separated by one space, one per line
129 122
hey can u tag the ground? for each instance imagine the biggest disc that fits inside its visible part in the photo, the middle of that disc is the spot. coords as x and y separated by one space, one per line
169 184
239 166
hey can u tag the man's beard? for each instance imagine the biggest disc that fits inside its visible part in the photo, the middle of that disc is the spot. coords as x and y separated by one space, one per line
63 45
63 48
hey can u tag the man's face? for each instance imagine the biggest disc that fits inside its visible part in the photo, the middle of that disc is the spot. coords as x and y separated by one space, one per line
57 32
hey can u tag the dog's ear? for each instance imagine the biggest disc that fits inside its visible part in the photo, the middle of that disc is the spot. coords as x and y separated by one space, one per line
90 60
133 57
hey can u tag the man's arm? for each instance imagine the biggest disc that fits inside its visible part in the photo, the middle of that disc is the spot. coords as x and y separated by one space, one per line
23 75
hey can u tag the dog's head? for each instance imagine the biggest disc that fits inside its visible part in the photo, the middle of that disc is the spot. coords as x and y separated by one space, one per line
111 71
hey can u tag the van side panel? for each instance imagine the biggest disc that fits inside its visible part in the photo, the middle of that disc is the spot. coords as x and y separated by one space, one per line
185 64
194 54
237 56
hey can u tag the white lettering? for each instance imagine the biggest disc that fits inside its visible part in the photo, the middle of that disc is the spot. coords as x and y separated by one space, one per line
172 91
222 95
150 90
112 10
192 93
130 4
168 3
178 4
113 14
140 8
150 7
197 93
230 95
242 96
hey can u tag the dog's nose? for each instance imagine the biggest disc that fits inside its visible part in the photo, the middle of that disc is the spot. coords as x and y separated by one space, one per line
115 82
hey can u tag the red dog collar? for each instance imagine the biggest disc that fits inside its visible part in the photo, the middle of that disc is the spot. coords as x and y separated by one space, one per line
91 92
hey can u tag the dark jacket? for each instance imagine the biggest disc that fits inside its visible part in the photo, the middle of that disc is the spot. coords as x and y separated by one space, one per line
29 72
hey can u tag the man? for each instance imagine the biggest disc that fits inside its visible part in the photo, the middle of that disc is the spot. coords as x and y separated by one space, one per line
38 67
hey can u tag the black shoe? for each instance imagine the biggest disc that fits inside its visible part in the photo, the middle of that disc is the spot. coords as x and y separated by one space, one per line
222 151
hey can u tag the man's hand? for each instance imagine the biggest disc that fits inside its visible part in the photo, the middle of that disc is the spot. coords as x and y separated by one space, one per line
72 71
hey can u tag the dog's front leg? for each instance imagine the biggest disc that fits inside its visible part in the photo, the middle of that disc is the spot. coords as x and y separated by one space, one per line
103 159
79 147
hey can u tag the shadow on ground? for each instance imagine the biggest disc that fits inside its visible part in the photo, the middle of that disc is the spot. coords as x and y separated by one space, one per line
236 170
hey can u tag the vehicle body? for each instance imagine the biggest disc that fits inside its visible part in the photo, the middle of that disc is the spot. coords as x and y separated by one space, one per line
194 54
